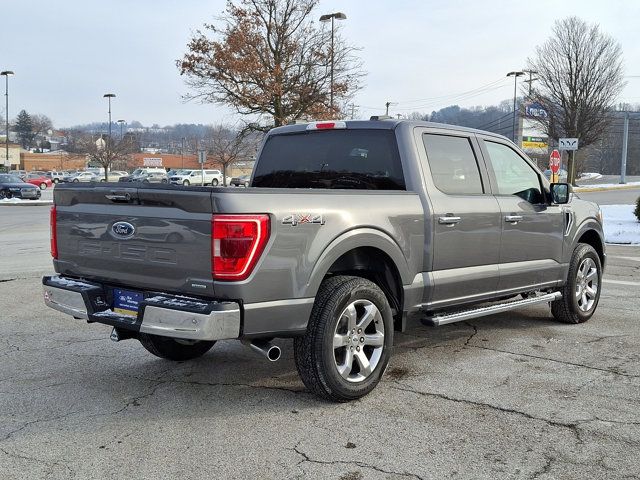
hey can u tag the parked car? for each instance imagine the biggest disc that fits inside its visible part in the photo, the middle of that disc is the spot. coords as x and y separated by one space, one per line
41 181
80 177
12 186
113 176
140 171
379 223
153 177
242 181
56 177
194 177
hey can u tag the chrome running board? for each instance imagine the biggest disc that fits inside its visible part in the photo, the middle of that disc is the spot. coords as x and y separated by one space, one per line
460 316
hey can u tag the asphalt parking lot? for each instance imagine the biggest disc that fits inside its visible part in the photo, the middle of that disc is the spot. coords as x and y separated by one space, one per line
514 395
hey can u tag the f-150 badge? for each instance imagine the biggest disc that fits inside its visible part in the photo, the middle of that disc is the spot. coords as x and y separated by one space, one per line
296 219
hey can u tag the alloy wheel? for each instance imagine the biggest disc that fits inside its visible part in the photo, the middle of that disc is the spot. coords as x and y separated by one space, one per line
358 340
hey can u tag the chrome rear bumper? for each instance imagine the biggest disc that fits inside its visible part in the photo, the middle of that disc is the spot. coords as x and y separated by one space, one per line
159 313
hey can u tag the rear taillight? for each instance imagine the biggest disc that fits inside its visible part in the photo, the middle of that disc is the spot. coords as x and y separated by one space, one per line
237 241
53 234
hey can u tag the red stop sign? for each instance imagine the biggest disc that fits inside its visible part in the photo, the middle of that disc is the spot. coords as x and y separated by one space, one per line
554 161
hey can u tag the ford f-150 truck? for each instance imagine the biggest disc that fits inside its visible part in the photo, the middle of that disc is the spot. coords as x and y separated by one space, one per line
349 230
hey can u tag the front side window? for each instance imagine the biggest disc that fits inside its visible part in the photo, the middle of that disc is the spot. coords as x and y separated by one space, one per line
453 164
514 176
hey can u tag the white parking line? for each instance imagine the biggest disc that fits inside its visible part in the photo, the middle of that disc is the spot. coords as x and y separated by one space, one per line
621 282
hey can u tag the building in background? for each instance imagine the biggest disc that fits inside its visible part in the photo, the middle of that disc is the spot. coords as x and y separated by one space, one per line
14 156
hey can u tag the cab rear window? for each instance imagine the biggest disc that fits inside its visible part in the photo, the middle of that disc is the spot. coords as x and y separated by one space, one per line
339 159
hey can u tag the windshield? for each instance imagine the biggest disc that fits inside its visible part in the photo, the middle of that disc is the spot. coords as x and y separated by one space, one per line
10 179
342 159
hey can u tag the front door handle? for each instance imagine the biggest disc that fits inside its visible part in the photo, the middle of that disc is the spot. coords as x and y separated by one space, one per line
512 218
448 220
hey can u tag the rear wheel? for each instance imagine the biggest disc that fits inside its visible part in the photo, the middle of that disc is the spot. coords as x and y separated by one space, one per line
43 186
348 341
174 348
581 293
55 180
214 182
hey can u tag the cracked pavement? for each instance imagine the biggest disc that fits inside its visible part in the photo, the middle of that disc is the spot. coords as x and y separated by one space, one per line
513 395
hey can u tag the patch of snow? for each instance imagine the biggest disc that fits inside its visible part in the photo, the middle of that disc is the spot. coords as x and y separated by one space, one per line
608 185
590 176
620 224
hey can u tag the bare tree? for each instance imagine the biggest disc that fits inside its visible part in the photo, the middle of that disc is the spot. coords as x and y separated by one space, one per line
102 149
41 124
228 146
580 73
269 58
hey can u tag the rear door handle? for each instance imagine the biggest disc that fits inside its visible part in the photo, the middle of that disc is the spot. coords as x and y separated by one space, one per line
448 220
512 218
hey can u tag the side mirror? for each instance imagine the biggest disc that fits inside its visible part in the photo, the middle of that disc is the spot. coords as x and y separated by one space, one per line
560 193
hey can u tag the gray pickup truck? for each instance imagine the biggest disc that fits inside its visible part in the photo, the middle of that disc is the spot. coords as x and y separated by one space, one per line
347 232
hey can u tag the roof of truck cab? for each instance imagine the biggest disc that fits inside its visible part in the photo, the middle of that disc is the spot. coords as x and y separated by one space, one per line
390 124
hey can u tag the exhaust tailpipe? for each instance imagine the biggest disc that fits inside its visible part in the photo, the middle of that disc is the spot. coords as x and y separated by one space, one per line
266 348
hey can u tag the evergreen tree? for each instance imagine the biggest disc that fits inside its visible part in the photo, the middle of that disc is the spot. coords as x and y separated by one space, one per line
24 128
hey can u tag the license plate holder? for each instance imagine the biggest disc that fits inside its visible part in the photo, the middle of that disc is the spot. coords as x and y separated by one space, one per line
126 302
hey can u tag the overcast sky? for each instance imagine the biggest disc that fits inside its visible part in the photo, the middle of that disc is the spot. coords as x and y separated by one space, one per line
422 54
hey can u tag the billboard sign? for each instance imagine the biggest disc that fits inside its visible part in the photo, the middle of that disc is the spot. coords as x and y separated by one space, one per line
535 110
152 162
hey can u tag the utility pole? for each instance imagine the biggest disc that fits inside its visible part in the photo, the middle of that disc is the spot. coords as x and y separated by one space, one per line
353 110
531 80
625 143
182 151
388 104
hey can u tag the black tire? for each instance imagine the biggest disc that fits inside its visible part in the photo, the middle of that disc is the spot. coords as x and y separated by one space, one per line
56 181
43 186
4 194
315 355
214 182
75 180
569 309
174 348
186 183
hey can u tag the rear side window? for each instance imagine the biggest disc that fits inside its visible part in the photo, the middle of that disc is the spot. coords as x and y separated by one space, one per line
453 164
342 159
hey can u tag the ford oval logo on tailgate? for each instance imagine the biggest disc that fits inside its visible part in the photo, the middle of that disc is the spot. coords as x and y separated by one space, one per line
123 229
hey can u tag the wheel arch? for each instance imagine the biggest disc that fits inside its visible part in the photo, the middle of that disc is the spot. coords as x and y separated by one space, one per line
589 233
370 254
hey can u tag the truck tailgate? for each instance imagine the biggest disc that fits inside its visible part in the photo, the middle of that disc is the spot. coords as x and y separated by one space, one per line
156 238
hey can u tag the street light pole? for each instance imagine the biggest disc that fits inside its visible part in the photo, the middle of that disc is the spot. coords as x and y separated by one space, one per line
326 18
109 96
515 76
121 122
6 74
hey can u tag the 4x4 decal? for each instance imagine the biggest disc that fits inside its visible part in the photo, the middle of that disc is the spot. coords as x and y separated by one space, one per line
299 218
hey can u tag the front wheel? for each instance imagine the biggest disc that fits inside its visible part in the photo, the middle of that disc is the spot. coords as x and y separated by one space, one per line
581 292
43 186
348 341
75 180
174 348
4 194
56 181
186 183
